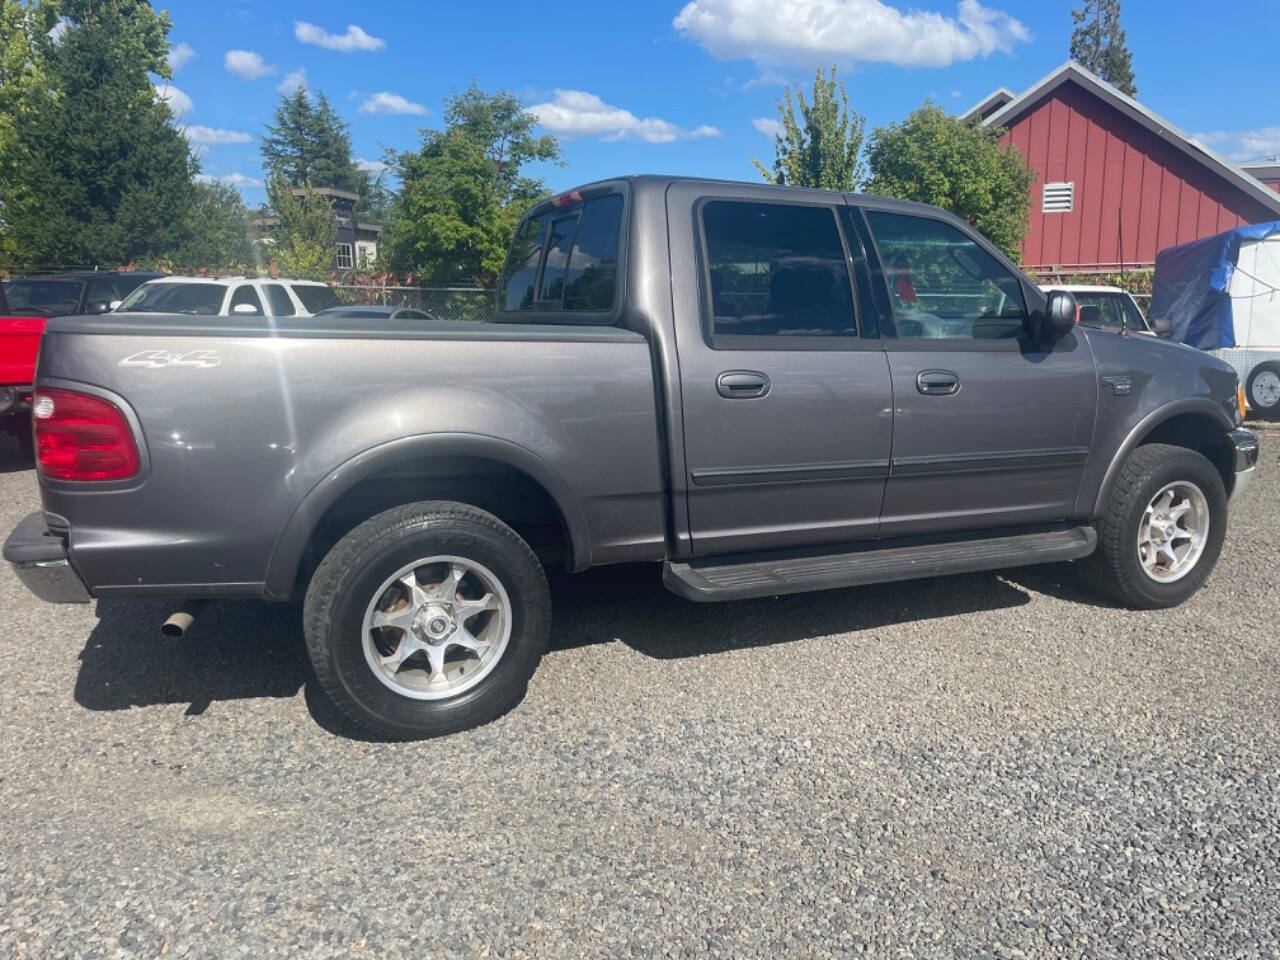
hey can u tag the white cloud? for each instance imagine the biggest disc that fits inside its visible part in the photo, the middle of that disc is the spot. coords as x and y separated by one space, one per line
237 180
371 166
180 56
212 135
816 32
1244 145
576 113
292 82
391 103
353 39
179 103
247 64
768 126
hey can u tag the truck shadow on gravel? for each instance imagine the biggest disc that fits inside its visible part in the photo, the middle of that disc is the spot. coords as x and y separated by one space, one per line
12 459
245 649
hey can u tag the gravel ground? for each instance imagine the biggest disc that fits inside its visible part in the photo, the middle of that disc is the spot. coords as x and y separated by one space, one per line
978 766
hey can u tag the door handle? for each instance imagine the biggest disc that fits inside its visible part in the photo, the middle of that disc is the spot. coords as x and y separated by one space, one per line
937 383
742 384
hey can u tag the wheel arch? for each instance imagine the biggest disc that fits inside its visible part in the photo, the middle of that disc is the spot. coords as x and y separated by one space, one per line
425 467
1195 423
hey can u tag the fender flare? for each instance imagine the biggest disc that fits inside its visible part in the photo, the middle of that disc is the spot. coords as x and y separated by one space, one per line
1175 408
286 554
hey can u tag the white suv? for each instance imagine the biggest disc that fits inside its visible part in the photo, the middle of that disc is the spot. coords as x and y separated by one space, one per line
230 296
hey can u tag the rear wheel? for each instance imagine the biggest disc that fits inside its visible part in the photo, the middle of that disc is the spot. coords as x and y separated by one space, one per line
1161 531
427 619
1262 390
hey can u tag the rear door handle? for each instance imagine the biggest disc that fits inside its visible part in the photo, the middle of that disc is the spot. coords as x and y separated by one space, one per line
937 383
742 384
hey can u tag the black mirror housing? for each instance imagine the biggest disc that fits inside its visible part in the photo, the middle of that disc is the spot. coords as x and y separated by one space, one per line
1060 313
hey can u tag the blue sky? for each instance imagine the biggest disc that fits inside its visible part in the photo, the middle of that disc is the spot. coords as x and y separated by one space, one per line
679 87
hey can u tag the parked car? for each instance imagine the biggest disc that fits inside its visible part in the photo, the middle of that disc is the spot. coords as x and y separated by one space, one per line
363 312
1219 294
1106 308
72 291
230 296
765 390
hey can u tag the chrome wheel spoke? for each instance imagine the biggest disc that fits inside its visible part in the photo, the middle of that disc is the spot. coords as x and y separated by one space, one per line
463 638
406 648
435 656
401 619
448 588
466 609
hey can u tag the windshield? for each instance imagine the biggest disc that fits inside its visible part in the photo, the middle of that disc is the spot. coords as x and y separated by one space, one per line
201 299
49 297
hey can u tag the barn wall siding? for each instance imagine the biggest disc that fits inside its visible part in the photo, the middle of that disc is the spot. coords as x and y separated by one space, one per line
1130 186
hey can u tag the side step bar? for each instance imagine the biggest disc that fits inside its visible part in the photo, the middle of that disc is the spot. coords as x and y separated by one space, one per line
759 575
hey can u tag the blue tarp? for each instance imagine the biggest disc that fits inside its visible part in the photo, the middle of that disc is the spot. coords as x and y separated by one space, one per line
1191 283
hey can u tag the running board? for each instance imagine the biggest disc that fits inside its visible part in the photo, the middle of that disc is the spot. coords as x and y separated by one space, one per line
759 575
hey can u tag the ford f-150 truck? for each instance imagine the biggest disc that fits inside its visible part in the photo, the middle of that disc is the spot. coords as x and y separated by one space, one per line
764 389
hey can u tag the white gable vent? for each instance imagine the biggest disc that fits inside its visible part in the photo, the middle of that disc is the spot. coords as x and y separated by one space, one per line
1058 198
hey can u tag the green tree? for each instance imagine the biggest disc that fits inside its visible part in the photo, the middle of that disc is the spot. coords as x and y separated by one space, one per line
95 172
960 166
822 146
464 189
1098 43
310 144
217 234
305 235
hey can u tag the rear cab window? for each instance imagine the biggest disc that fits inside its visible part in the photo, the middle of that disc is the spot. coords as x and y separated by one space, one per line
563 266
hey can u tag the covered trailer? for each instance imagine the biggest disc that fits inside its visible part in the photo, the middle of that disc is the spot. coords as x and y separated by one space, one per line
1222 294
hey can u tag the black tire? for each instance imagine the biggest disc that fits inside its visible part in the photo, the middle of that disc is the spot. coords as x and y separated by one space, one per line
346 581
1115 569
1256 404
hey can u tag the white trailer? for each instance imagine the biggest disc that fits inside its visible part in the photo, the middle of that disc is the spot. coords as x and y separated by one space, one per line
1222 294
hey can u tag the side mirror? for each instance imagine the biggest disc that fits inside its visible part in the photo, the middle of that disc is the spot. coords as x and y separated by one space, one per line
1160 326
1060 315
245 308
99 306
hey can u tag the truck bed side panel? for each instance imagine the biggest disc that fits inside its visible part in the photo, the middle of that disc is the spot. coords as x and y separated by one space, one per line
239 433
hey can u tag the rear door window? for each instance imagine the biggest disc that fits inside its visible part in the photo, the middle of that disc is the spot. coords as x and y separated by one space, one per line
559 244
314 298
278 297
775 270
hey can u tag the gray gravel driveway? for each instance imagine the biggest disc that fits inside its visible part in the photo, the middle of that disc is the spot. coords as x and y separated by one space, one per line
988 765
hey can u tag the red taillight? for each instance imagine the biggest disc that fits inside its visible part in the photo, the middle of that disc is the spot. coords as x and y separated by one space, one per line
82 437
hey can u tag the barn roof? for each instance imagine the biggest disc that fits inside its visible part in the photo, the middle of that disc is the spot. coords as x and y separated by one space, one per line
1072 72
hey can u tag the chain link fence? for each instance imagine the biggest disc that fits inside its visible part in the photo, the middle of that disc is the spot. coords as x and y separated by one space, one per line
473 304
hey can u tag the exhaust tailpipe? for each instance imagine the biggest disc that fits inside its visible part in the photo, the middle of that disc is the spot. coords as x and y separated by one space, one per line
180 620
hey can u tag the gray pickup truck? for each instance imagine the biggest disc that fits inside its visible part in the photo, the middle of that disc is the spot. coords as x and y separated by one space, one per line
766 390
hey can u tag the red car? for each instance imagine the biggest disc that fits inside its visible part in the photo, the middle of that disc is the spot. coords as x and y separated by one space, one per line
25 304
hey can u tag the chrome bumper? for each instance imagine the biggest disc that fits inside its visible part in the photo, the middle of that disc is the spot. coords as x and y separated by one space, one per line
39 558
1246 459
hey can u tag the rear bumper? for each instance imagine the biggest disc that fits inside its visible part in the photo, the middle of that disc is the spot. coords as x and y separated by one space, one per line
1246 459
39 558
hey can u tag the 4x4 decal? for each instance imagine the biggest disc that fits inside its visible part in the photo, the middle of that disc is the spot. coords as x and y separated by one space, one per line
161 358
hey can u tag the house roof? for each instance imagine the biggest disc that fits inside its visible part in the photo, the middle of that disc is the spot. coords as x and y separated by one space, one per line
326 192
993 100
1072 72
1264 170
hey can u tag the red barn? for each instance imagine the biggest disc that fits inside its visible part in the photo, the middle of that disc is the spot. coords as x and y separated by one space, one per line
1115 183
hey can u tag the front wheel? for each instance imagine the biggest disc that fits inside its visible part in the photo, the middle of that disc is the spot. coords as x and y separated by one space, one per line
1262 390
427 619
1161 530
